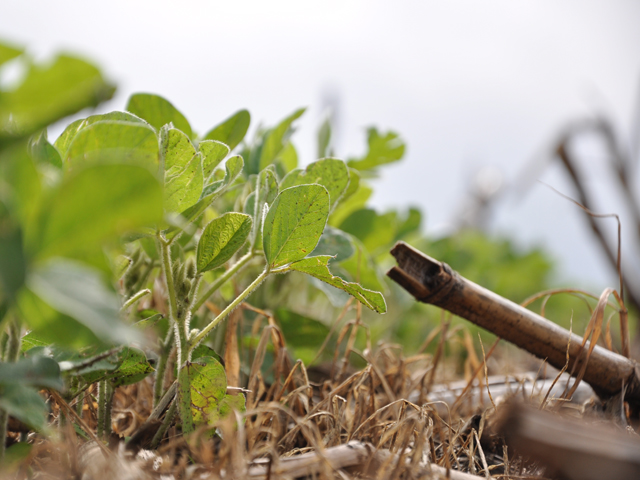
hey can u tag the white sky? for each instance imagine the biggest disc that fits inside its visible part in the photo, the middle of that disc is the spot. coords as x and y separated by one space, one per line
466 83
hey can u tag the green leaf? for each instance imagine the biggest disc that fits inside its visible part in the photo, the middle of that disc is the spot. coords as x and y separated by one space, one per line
79 292
213 152
48 326
97 204
362 268
9 52
349 205
48 93
13 264
209 399
157 111
23 403
114 141
331 173
410 224
276 139
336 243
232 130
63 142
36 371
131 367
318 267
303 333
15 456
211 192
375 231
43 152
324 138
183 177
265 193
287 159
294 224
383 148
220 239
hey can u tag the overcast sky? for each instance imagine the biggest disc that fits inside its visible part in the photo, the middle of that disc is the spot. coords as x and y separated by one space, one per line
468 84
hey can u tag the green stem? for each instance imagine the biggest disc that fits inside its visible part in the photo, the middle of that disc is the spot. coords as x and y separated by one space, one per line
235 268
165 248
107 409
11 355
158 387
166 423
134 298
184 398
203 334
102 405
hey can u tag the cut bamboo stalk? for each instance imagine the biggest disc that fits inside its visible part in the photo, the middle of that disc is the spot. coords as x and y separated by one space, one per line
434 282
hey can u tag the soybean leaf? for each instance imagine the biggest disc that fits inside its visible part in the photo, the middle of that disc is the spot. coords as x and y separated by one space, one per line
213 152
331 173
362 268
265 193
383 148
51 92
374 230
157 111
347 206
63 142
303 333
36 371
131 366
43 152
324 138
79 292
183 190
15 456
114 141
13 264
205 351
97 204
276 139
176 151
209 401
232 130
318 267
211 192
294 224
287 159
9 52
24 403
220 239
410 224
336 243
49 326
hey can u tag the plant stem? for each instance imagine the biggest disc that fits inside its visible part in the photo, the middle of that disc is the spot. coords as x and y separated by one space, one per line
134 298
166 423
203 334
102 387
235 268
158 387
11 355
168 276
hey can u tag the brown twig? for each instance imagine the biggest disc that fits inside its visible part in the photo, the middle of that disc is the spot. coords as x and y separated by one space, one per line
431 281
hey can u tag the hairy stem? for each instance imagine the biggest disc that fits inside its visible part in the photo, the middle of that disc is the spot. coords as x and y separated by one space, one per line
102 406
134 298
11 355
158 386
203 334
166 423
235 268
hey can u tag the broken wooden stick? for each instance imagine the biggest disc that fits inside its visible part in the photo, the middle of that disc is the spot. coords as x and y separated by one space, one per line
434 282
567 447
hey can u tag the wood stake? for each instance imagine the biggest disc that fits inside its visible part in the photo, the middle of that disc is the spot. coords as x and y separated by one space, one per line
434 282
